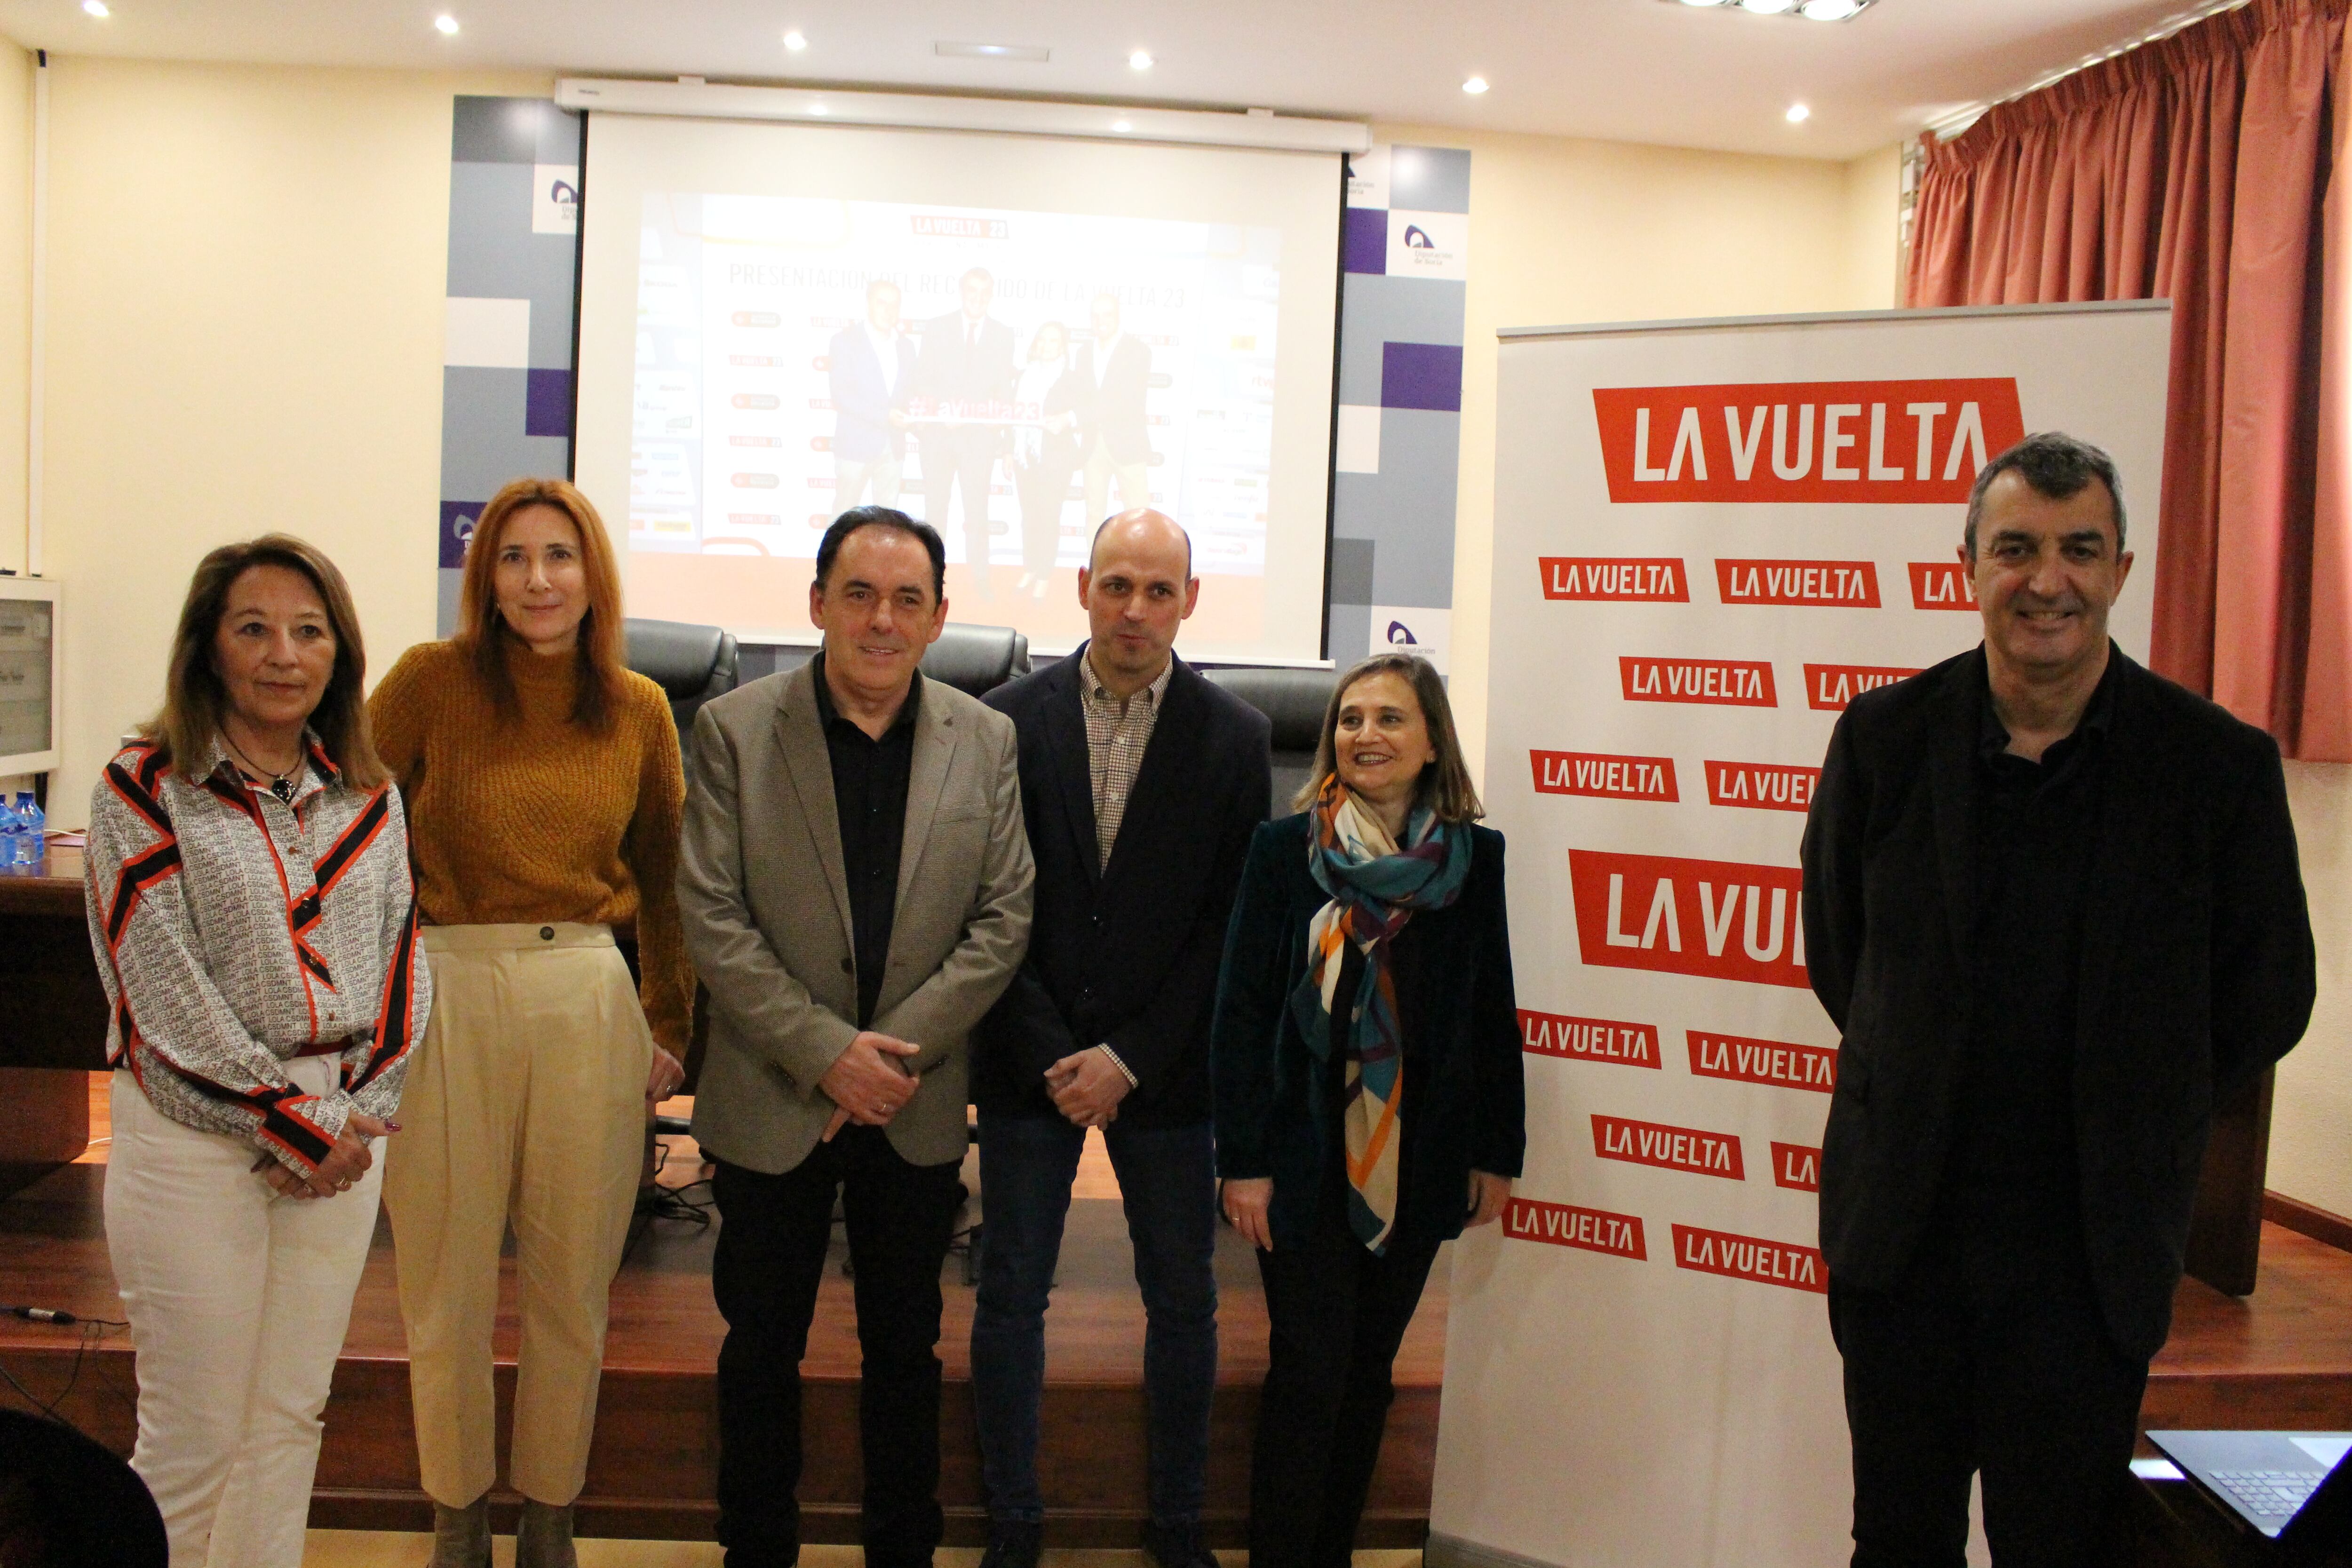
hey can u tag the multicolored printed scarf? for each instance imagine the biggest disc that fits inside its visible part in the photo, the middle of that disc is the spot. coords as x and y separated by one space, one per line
1375 886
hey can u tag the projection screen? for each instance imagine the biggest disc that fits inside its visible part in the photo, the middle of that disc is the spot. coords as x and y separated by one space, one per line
1007 336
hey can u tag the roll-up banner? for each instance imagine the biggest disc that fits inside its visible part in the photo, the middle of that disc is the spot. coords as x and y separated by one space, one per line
1709 537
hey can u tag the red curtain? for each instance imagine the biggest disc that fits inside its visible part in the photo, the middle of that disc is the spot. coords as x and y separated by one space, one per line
2199 169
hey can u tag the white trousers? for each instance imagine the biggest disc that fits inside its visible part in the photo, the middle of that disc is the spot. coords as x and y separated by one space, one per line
238 1300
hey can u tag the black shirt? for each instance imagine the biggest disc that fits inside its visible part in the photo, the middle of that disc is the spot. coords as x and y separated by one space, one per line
869 796
2036 824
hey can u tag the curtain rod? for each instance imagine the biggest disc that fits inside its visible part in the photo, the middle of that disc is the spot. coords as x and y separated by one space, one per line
1945 127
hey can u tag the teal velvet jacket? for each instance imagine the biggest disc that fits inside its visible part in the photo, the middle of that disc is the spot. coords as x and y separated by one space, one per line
1276 1111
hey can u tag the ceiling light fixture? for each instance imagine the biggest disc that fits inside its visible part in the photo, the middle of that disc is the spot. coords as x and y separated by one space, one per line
1830 10
796 40
1799 114
1706 1
445 25
1474 86
1811 10
1035 54
1768 7
816 109
1140 61
97 8
1121 126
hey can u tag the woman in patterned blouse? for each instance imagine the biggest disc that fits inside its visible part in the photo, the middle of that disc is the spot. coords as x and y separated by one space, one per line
256 930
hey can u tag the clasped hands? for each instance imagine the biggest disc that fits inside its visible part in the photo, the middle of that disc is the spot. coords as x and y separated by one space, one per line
345 1163
869 1082
1086 1087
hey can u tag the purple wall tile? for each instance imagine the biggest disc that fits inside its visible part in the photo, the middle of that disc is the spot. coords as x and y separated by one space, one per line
1364 239
456 527
1422 375
547 407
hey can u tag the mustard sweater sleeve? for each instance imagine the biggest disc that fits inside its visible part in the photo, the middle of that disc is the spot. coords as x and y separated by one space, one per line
396 716
665 989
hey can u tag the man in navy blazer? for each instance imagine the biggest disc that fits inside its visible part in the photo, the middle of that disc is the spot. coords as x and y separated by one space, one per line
2053 904
871 367
1141 783
1114 375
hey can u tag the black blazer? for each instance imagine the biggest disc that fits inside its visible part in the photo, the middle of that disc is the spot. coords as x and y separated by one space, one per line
1125 955
1274 1115
2196 952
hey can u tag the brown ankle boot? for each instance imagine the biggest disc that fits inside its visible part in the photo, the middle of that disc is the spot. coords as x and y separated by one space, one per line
544 1538
461 1536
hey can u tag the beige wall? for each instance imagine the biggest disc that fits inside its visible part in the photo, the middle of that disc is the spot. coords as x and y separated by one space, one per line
245 268
2311 1118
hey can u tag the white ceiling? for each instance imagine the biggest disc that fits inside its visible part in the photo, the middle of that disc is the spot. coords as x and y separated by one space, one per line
1635 70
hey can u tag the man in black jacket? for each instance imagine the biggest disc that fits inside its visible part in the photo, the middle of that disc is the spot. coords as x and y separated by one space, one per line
2052 901
1140 785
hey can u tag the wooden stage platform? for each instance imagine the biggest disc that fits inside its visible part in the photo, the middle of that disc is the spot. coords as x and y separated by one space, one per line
2280 1358
654 1463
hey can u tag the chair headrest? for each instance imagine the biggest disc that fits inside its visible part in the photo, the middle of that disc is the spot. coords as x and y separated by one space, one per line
677 656
1293 700
977 659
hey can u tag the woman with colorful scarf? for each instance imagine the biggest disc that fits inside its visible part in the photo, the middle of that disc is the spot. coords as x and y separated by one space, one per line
1368 1095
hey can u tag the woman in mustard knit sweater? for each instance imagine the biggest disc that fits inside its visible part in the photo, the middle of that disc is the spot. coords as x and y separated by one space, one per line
543 792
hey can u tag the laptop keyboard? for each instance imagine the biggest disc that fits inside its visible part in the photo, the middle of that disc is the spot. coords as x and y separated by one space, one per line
2277 1494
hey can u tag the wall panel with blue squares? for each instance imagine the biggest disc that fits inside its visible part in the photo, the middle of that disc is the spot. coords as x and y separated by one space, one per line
1405 249
506 378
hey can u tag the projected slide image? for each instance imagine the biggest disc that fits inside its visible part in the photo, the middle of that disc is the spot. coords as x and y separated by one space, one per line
1011 377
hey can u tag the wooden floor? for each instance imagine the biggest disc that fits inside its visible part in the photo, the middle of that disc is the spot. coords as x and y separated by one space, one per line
652 1470
2280 1358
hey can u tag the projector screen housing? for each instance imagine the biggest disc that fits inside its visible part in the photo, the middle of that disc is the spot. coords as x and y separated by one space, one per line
726 265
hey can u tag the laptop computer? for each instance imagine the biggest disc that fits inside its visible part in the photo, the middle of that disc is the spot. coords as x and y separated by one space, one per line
2292 1487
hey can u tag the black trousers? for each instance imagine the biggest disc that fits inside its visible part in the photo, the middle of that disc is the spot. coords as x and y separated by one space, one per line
772 1235
1336 1315
1991 1355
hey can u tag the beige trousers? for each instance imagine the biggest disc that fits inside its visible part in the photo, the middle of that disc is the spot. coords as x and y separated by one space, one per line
525 1104
1134 484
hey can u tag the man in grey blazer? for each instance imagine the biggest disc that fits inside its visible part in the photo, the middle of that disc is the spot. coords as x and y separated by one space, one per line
856 882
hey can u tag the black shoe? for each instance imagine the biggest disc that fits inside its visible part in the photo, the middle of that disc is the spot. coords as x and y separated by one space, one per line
1013 1544
1176 1546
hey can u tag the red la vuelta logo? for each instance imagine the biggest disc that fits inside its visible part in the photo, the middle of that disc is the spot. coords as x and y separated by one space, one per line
1723 682
1763 787
1941 585
1750 1257
1919 442
1716 919
1588 1039
1831 686
1691 1149
1797 1167
1566 1225
1776 1063
1632 579
1606 777
1834 584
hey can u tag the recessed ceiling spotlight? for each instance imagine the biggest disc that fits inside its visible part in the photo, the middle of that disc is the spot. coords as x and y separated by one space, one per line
1121 126
1706 1
1140 61
1768 7
96 8
1830 10
816 109
1035 54
796 40
445 25
1799 114
1474 86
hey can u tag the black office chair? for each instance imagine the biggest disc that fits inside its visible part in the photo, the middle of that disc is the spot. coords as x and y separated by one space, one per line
1294 702
977 659
691 664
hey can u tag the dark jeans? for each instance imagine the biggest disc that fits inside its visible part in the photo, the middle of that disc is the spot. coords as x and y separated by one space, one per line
1991 1355
1168 1180
772 1235
1335 1314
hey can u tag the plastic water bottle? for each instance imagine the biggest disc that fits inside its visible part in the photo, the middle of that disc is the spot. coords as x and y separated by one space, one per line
11 832
32 830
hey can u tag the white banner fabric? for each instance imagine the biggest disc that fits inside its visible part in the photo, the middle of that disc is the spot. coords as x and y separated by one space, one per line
1708 538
